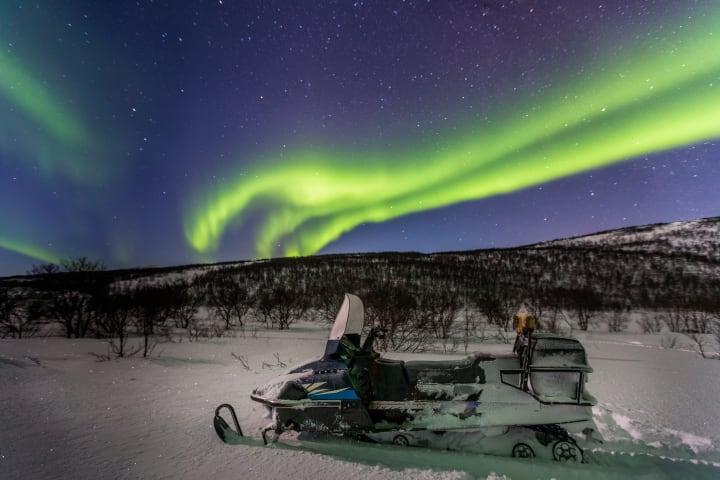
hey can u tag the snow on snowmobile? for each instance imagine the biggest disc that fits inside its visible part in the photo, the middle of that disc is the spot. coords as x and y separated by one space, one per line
526 404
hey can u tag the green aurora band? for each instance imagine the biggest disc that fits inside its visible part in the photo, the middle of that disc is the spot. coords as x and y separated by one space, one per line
29 250
46 136
43 131
663 94
31 97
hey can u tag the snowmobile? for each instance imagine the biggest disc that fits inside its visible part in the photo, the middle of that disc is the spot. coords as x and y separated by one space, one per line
525 404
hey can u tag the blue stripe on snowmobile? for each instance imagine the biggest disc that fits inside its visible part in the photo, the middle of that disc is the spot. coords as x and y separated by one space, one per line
345 394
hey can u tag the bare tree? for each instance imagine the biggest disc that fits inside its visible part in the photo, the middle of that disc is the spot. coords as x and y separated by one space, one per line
229 300
536 290
72 310
81 265
716 333
44 269
441 306
700 322
670 341
498 307
392 308
702 342
68 297
651 323
326 302
677 319
115 320
555 304
17 317
585 302
470 325
618 320
184 303
152 310
280 305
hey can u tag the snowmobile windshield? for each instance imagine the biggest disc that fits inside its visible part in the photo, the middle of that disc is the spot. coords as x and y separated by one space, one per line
349 319
348 325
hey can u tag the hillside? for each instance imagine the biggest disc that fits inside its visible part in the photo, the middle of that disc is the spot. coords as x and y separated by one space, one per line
656 267
697 238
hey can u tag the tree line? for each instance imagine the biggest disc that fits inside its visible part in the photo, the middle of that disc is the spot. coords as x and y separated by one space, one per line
417 298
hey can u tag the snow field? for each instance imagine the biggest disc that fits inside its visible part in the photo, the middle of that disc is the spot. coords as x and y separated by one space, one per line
65 415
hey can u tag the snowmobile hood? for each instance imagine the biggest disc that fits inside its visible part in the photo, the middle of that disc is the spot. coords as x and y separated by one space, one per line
282 386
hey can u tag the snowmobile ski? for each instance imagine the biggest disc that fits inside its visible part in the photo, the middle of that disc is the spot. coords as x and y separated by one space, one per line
226 433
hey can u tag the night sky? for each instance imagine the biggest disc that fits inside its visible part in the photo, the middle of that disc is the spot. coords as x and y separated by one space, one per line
157 133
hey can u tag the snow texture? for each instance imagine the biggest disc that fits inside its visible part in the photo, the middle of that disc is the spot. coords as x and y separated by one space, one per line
65 415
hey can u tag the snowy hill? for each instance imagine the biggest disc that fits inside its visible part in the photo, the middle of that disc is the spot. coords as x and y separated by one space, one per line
695 238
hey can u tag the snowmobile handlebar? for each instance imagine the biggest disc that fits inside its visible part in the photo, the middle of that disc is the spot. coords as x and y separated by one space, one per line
375 332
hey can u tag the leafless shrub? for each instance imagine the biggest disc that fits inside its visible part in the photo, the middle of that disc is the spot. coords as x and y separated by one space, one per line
115 317
44 269
669 341
197 330
242 359
677 319
202 330
279 305
278 363
392 308
218 331
555 300
497 306
651 323
81 265
441 308
503 336
34 360
68 298
716 332
325 303
229 300
702 343
585 302
153 307
552 321
101 357
618 320
185 302
470 326
700 322
18 318
452 346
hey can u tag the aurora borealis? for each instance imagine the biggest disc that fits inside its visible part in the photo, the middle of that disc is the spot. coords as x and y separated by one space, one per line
221 131
642 105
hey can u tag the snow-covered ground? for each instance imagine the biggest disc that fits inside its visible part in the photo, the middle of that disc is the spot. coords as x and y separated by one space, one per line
65 415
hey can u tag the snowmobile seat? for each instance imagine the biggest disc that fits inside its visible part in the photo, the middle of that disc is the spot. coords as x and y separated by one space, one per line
467 370
389 380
